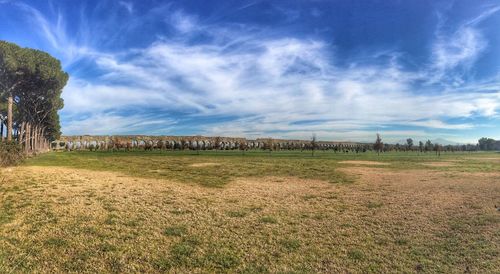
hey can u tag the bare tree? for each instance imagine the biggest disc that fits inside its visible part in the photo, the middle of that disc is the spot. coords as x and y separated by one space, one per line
314 144
437 149
378 146
217 141
243 147
269 144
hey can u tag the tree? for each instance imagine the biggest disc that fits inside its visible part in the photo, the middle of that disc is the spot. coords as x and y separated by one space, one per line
314 144
378 146
217 141
32 82
269 144
488 144
437 149
243 146
14 62
428 146
38 99
409 143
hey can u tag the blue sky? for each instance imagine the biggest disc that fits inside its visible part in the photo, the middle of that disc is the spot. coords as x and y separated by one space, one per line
341 69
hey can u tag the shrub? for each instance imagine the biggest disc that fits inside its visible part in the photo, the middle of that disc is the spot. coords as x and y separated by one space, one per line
11 153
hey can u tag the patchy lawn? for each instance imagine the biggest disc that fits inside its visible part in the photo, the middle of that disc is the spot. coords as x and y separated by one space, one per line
140 212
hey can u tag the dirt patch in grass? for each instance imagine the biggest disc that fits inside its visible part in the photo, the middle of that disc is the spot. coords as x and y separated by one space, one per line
74 220
364 163
439 164
204 164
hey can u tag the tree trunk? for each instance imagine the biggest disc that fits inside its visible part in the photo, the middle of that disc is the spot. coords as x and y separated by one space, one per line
36 139
32 138
1 129
20 134
27 138
42 138
39 139
9 118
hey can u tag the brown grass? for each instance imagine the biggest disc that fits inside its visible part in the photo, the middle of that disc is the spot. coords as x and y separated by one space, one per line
69 220
364 163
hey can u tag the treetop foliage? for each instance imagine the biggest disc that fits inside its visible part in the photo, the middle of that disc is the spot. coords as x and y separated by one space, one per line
35 81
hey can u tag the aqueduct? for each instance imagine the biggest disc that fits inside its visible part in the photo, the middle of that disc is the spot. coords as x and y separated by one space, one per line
88 142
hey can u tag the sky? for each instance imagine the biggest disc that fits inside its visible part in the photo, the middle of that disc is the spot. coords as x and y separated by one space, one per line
343 70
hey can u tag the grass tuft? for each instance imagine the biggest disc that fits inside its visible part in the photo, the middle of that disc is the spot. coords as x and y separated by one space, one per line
268 220
355 254
236 214
176 231
290 244
56 242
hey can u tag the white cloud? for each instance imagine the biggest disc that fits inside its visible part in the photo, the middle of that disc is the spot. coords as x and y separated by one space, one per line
461 48
439 124
55 33
483 16
182 22
458 49
272 86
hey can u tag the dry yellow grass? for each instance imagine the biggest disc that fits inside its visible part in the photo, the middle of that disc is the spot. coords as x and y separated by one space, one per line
364 163
204 164
439 164
63 220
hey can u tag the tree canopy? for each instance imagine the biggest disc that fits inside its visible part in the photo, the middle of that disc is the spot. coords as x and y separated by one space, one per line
34 80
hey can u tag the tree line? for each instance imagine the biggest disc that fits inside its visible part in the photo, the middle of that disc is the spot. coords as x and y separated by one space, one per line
199 143
488 144
484 144
31 83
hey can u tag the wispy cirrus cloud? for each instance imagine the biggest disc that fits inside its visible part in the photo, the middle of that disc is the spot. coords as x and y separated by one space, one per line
129 6
234 79
54 32
182 22
274 86
461 48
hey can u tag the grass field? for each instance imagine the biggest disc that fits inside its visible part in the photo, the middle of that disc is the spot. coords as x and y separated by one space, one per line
279 212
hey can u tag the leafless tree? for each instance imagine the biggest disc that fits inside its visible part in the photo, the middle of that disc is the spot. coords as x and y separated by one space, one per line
314 144
379 145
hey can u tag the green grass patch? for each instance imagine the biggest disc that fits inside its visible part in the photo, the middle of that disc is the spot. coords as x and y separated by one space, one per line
269 220
290 244
183 252
222 259
176 231
355 254
373 204
237 214
56 242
